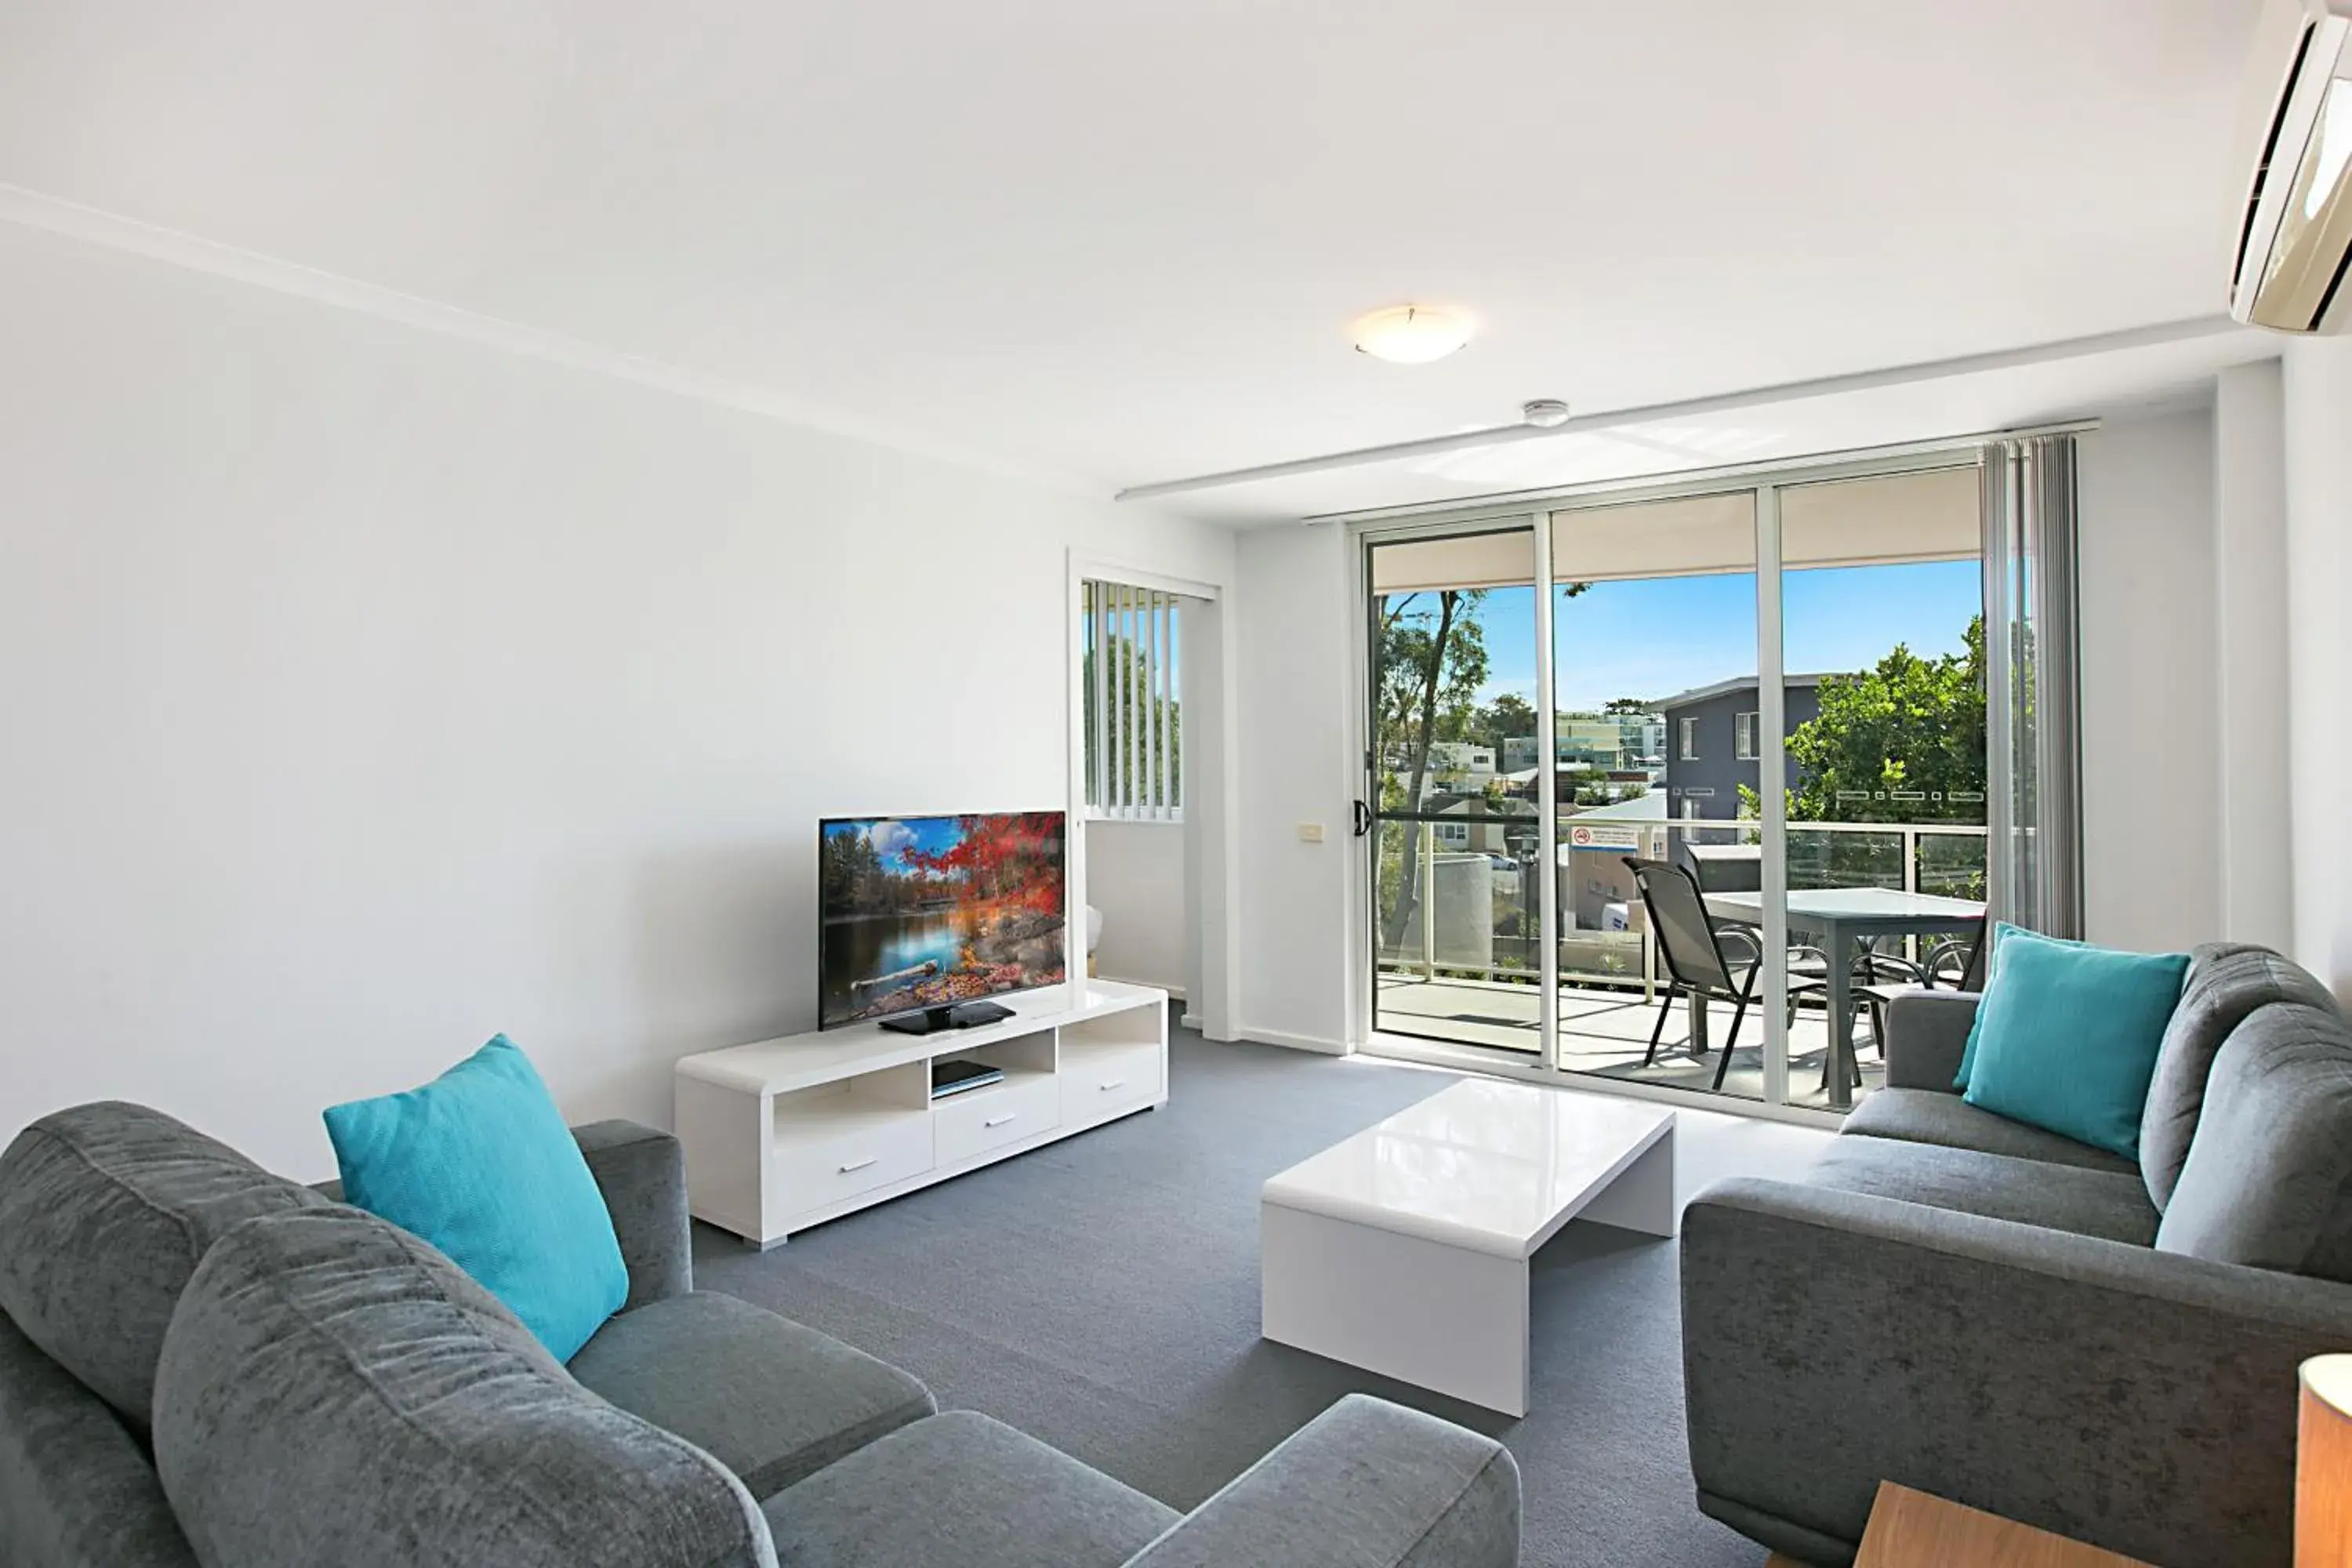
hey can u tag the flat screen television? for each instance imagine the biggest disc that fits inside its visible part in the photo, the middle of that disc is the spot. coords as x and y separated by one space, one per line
922 920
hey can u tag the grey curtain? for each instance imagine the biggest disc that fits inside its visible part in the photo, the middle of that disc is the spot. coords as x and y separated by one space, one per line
2033 734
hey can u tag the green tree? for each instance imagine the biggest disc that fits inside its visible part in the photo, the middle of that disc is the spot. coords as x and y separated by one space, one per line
1585 786
1900 742
1903 741
1618 705
1507 715
1431 661
1134 690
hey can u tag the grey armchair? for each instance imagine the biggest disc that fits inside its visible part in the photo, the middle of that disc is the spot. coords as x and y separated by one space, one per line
1985 1310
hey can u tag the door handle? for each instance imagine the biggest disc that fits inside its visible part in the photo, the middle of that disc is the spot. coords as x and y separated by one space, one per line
1363 818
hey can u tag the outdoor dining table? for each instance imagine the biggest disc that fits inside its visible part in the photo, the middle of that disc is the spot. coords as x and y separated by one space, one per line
1837 920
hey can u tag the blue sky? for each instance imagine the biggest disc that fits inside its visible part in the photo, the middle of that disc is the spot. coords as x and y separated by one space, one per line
1655 637
893 836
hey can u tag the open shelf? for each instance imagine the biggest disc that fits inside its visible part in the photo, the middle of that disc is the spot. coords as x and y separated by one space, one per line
1012 1080
1107 1035
813 1111
867 1102
1029 1055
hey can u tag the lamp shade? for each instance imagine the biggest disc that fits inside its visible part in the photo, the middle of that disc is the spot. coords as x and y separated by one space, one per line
1411 334
2323 1465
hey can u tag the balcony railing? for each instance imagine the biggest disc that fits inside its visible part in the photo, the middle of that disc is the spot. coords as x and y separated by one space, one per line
1477 920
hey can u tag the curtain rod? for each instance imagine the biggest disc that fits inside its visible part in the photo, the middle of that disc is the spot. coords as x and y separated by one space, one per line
2155 336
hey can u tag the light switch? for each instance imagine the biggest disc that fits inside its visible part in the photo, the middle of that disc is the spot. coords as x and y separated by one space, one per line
1310 833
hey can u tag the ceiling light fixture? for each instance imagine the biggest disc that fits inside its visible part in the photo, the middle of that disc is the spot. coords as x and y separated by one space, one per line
1544 412
1410 334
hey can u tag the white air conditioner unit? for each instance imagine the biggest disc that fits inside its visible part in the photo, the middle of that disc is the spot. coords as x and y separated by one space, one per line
2295 236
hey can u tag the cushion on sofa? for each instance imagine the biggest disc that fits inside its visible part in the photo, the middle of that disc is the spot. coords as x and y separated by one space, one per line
334 1391
2110 1204
105 1211
961 1489
479 1164
2268 1181
2067 1034
771 1399
2226 982
1932 1116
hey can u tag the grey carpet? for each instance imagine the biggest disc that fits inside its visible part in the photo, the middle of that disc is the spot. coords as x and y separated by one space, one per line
1101 1294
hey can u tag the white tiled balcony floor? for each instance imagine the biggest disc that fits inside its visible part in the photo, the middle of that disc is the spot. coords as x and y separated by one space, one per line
1605 1031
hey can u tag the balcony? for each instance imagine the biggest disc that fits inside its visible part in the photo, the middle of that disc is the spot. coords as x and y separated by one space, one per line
1466 972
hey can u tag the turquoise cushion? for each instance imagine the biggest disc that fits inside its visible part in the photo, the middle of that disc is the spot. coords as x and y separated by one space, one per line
2000 930
479 1164
2066 1037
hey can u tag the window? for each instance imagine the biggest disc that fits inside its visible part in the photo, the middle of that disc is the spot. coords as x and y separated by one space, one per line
1133 702
1455 833
1690 740
1744 737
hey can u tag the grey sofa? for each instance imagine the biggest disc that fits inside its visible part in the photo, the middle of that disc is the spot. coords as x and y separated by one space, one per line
1984 1310
205 1364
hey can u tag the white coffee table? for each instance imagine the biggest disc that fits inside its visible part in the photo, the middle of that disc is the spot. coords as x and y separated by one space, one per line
1404 1250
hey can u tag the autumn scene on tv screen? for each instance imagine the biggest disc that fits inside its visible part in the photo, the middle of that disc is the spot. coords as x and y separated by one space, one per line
927 911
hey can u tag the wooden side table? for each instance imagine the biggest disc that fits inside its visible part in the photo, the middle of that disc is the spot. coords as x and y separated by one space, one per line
1911 1530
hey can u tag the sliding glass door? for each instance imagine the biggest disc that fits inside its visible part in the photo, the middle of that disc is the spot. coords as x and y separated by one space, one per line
1756 754
1883 736
1653 651
1450 820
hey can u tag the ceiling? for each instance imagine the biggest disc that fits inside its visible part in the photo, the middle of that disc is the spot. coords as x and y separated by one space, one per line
1107 242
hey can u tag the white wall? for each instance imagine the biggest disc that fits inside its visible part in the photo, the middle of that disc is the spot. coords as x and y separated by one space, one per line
1135 876
2318 459
2250 667
1297 631
2151 755
367 691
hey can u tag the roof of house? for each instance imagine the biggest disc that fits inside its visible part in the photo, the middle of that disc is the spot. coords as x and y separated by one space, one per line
1650 808
1741 683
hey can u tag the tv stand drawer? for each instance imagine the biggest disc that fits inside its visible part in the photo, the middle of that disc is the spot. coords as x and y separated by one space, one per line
972 1123
815 1171
1104 1081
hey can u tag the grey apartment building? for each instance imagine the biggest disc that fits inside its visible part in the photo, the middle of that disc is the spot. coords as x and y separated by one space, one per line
1713 736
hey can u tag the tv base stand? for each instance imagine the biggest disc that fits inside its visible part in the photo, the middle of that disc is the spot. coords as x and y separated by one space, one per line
939 1020
786 1133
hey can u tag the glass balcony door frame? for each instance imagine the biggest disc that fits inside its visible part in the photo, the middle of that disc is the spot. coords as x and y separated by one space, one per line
1533 511
1372 820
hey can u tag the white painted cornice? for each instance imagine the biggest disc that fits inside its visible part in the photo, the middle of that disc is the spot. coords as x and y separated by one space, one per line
34 209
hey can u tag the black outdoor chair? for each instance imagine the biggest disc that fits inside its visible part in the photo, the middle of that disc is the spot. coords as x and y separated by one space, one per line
1693 950
1960 961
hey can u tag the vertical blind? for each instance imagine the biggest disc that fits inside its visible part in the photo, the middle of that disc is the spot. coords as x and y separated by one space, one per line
2032 724
1133 702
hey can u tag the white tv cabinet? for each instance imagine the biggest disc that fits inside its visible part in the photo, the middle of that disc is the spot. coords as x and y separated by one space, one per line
786 1133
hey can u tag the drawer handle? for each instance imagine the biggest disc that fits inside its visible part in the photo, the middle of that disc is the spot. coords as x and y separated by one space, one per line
860 1164
1108 1084
1001 1120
